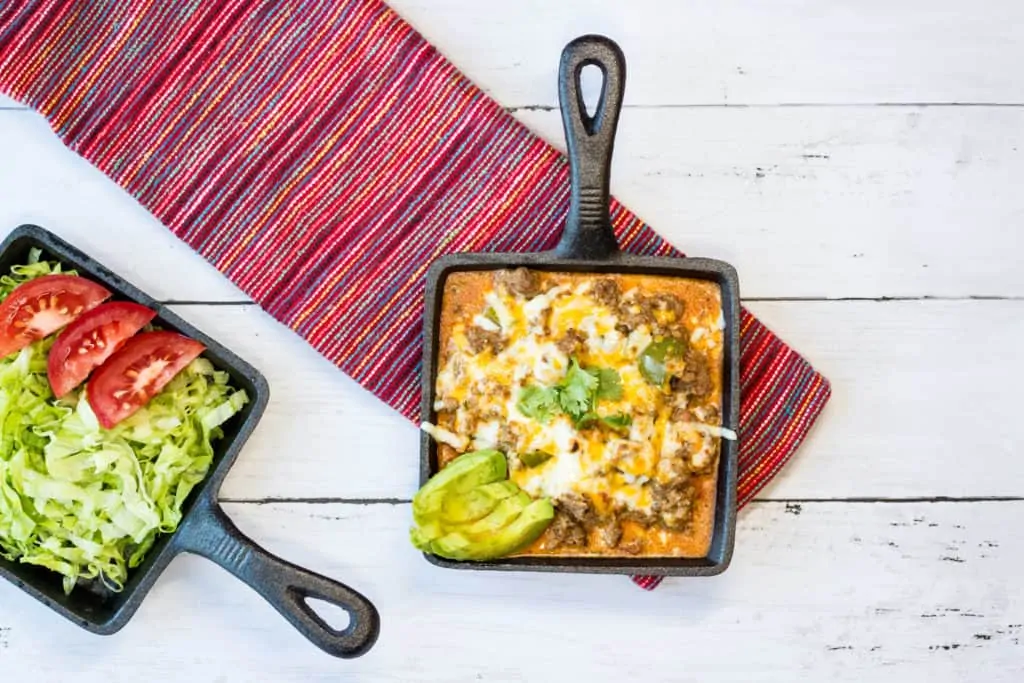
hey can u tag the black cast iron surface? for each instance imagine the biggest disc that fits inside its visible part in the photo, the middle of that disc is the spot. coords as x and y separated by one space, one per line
588 245
205 529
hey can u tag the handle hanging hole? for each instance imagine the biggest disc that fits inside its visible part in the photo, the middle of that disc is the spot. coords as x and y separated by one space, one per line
591 84
332 615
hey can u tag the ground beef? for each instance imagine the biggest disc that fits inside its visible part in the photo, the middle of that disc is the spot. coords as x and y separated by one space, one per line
634 546
675 468
508 437
521 282
681 415
577 507
695 380
646 519
637 312
565 532
606 292
611 533
480 339
672 504
669 303
571 342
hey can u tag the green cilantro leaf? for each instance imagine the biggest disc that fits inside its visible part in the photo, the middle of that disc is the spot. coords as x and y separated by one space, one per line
577 390
539 403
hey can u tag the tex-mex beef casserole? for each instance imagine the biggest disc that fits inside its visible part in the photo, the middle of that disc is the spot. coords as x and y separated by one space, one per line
604 393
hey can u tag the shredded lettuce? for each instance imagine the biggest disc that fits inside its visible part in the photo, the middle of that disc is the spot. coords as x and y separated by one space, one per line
33 269
88 502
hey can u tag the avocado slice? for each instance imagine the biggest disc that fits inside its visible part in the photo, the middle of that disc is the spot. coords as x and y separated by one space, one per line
523 530
503 515
462 474
472 505
420 539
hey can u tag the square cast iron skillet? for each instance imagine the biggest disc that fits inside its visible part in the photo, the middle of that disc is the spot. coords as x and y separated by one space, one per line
205 529
588 245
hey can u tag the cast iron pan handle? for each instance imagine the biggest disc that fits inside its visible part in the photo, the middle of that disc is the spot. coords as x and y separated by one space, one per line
209 532
590 140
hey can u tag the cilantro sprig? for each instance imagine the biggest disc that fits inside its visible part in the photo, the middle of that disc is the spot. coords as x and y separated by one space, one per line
576 395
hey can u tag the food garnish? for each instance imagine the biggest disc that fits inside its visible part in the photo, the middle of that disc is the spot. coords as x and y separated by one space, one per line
89 341
471 511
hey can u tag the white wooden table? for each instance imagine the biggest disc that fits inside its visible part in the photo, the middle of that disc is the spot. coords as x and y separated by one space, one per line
862 165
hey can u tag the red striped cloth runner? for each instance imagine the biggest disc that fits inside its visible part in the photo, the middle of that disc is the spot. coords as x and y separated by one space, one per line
321 153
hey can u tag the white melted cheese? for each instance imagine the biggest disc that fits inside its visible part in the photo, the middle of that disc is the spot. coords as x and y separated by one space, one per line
712 430
442 435
486 323
535 307
486 435
557 437
670 443
638 340
632 495
557 477
542 362
505 318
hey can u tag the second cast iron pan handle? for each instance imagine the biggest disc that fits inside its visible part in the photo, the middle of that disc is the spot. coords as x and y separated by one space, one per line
207 531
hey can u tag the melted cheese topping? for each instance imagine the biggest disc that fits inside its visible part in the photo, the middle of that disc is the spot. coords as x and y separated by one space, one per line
479 390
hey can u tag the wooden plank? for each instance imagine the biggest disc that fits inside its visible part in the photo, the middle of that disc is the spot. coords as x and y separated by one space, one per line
832 202
924 397
836 592
731 51
807 202
920 392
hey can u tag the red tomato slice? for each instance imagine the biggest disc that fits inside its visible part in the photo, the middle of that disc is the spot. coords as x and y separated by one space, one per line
92 339
137 372
42 306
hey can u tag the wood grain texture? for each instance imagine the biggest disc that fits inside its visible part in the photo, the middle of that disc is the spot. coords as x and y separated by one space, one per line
943 605
737 52
735 143
923 405
806 202
834 202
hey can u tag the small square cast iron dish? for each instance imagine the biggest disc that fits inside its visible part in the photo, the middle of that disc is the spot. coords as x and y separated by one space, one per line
588 245
205 529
